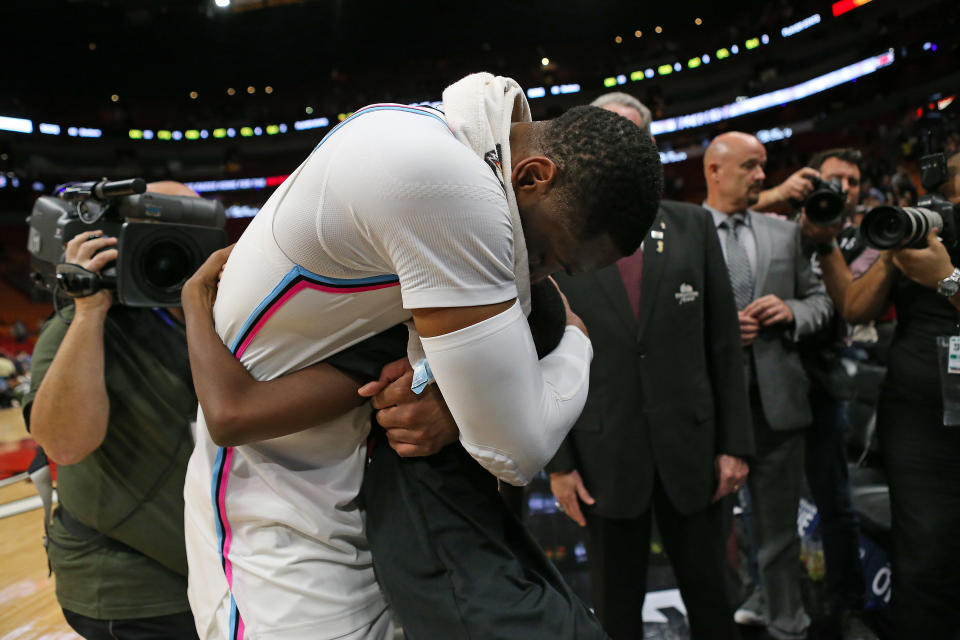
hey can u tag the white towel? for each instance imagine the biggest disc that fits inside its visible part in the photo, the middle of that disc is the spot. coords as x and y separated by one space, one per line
480 109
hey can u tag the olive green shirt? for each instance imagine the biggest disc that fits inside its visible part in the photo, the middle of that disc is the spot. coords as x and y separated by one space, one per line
131 487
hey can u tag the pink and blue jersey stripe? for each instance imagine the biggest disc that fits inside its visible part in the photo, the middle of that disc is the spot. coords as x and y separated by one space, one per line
296 280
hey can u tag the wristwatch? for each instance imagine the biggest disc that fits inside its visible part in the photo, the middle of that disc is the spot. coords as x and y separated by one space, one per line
949 286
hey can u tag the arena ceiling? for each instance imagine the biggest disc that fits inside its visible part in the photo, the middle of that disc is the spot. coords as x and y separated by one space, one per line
91 45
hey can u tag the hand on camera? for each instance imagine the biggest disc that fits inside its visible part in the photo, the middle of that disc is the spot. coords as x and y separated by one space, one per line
927 266
820 235
797 187
201 288
80 251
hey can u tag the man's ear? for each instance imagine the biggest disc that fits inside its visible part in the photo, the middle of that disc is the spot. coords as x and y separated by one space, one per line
534 173
712 169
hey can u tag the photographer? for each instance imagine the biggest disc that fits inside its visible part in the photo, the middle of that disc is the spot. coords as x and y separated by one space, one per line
111 401
921 456
826 457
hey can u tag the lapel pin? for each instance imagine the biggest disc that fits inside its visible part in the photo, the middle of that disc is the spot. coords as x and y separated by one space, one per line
686 294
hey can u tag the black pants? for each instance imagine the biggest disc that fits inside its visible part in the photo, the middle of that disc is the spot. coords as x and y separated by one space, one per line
922 461
452 560
829 482
619 552
177 625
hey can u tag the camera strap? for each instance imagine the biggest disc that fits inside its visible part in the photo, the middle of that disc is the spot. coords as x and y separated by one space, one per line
102 538
77 282
87 534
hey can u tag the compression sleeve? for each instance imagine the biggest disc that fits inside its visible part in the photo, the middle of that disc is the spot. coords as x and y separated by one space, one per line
513 411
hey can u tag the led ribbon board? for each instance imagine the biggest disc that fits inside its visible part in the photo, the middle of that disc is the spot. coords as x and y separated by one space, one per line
774 98
840 8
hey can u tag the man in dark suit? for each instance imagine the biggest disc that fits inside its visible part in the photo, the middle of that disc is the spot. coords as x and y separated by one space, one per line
666 425
779 302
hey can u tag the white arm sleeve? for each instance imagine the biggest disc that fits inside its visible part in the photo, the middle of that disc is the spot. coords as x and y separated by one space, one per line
513 411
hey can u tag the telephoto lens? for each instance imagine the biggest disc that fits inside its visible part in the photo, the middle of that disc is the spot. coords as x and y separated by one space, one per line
896 227
824 206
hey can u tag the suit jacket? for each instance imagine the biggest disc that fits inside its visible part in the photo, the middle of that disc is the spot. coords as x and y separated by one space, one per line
784 271
667 391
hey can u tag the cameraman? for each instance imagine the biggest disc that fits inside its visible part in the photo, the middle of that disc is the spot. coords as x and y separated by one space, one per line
921 456
111 401
826 452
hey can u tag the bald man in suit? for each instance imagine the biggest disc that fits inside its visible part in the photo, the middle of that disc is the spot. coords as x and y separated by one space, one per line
779 301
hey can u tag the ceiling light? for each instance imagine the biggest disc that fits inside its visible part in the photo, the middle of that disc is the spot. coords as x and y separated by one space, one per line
637 33
659 29
193 95
618 39
223 4
250 89
268 89
544 61
114 98
231 91
698 22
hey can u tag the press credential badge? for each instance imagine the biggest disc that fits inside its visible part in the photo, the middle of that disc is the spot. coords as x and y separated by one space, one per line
953 356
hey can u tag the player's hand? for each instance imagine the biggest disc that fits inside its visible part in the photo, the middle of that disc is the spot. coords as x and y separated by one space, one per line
201 288
749 328
569 490
731 474
572 318
770 310
927 266
416 425
80 250
390 373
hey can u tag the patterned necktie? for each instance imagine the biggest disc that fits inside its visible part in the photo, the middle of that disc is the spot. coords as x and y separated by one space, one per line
738 265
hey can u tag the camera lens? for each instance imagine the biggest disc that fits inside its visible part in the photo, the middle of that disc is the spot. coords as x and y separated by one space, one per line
824 206
167 264
893 227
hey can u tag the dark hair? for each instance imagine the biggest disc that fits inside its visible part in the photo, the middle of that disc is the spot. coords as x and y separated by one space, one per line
846 154
610 169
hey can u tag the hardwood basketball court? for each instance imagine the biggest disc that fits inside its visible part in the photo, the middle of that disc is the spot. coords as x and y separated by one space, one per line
28 606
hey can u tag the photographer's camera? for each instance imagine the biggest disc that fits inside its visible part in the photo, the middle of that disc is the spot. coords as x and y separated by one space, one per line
889 227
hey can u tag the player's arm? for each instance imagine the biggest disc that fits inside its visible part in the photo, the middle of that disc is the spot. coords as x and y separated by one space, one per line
512 409
239 409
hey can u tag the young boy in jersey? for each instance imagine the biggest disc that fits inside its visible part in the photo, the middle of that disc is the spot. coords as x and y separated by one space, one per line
402 213
451 559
